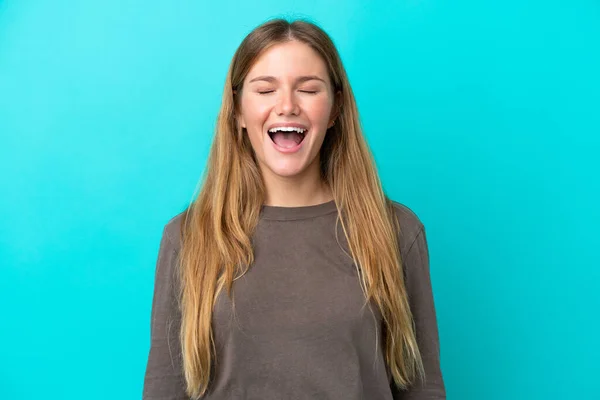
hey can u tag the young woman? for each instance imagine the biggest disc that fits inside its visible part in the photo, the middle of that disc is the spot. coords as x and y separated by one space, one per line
292 275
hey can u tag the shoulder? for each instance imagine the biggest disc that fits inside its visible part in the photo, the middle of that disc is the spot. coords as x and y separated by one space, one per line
410 224
172 229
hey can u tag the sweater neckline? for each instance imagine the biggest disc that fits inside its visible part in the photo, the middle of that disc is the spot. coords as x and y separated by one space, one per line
281 213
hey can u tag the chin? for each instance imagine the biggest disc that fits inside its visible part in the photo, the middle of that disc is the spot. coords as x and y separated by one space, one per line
287 172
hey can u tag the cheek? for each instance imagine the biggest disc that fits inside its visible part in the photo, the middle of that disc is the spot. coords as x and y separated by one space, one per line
254 116
255 112
320 110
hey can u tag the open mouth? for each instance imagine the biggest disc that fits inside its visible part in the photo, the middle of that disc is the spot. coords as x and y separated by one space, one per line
287 138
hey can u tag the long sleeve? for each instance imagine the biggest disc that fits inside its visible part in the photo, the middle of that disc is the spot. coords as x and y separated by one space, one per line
164 378
420 294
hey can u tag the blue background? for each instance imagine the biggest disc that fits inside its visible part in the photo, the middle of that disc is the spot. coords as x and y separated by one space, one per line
484 118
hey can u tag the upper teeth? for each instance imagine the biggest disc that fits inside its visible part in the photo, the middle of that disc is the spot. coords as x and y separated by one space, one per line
287 129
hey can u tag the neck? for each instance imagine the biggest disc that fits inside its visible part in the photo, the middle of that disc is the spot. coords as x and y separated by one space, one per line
301 190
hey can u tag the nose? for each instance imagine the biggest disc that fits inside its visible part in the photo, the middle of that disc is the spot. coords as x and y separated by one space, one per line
287 103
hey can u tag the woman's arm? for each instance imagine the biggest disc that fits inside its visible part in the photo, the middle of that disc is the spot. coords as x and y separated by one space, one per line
164 377
420 296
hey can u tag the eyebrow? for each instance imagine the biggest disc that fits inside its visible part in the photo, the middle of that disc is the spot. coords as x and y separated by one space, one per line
300 79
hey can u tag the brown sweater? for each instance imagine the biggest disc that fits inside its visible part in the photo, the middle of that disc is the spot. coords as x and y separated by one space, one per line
298 330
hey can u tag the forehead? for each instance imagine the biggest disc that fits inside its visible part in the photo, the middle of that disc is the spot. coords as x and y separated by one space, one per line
289 60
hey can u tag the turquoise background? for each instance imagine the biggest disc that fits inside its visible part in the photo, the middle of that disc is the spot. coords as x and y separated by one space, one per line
484 118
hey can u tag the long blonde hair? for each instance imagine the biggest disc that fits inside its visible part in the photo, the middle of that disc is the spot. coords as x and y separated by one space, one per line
218 224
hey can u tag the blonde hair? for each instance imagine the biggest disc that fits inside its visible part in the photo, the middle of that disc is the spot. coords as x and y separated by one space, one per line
218 224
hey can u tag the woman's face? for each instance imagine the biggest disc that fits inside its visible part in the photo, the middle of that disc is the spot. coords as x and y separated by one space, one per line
287 89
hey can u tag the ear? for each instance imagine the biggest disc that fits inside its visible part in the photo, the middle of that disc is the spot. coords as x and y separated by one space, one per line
239 117
337 108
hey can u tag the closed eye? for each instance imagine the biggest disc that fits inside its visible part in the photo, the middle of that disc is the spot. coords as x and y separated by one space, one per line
303 91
